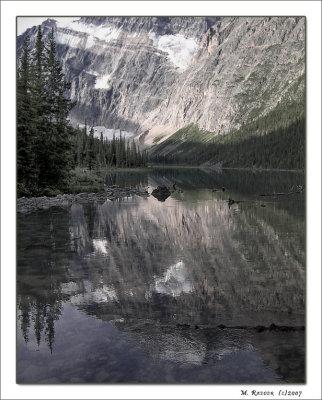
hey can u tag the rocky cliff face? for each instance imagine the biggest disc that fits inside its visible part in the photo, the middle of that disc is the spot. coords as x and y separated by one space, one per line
154 75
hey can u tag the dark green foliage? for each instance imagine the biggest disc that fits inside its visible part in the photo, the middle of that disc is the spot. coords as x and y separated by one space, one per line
83 181
47 146
276 140
90 155
39 310
43 131
26 136
95 153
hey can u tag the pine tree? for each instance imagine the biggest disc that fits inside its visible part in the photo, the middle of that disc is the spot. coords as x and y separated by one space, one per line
43 130
26 170
38 122
133 154
57 110
128 155
90 155
84 144
113 151
101 152
47 146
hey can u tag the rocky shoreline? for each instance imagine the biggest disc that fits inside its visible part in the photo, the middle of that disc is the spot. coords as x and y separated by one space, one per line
29 204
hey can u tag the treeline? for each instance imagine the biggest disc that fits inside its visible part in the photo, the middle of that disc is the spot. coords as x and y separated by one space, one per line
91 152
283 148
48 147
276 140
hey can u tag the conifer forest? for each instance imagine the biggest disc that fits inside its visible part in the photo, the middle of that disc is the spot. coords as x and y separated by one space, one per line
48 146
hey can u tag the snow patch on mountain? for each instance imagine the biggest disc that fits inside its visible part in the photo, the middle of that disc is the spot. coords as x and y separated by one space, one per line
94 32
91 72
69 39
100 246
179 48
90 42
102 82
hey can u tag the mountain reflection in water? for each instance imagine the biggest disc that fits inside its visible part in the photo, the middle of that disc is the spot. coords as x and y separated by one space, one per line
166 275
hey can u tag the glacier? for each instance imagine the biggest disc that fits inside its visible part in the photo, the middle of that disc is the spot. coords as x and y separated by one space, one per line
179 48
102 82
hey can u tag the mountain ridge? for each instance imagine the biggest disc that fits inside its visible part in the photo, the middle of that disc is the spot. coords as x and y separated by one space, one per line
155 75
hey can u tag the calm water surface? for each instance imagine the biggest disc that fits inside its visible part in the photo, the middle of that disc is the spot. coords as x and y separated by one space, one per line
136 290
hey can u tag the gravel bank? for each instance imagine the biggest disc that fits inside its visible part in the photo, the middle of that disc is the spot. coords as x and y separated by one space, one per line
30 204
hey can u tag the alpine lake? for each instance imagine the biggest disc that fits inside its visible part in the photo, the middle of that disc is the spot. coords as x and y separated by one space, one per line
191 289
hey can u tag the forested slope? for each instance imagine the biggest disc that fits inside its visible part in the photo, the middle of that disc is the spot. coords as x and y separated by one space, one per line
276 140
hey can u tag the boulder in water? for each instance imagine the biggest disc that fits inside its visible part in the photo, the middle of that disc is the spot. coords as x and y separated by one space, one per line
161 193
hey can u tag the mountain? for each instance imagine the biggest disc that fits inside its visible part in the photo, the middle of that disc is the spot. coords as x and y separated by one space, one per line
153 76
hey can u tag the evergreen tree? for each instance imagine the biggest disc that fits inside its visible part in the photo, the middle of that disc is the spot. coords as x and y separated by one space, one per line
47 146
59 134
38 122
26 172
90 155
84 144
43 131
101 153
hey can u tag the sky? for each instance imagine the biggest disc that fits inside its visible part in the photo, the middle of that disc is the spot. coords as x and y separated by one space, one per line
23 23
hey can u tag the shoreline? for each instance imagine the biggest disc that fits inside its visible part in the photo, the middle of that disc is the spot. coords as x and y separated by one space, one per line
27 205
223 168
149 167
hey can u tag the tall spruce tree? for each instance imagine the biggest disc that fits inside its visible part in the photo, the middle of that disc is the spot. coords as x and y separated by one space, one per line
90 154
58 107
38 122
26 171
